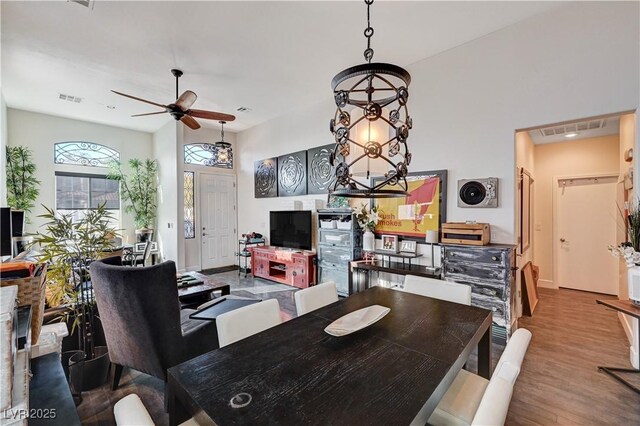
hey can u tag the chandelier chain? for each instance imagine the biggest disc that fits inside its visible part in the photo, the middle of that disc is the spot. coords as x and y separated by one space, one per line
368 33
222 123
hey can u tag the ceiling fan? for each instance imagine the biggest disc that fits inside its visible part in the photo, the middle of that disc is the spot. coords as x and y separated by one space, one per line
181 108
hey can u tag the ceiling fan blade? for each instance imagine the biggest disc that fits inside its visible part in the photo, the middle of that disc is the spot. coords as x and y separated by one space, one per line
210 115
189 121
139 99
150 113
185 100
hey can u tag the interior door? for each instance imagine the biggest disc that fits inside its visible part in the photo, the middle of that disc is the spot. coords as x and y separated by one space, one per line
218 213
587 215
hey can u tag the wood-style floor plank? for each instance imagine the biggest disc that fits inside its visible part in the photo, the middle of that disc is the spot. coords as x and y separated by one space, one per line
559 382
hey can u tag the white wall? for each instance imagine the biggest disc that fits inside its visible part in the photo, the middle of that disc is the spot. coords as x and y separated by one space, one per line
467 102
192 247
39 132
3 144
168 221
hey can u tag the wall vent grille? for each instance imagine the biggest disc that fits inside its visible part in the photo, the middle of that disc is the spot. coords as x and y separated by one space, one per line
574 127
69 98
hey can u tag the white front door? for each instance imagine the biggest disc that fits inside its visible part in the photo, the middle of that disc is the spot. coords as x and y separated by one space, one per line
587 216
218 213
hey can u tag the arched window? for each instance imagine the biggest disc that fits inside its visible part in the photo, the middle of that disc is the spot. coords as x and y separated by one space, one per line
80 153
219 154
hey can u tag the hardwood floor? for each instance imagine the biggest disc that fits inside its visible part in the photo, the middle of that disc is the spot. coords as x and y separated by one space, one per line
559 382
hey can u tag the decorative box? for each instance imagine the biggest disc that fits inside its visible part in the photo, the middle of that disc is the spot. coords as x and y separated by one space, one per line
8 303
473 234
31 292
328 224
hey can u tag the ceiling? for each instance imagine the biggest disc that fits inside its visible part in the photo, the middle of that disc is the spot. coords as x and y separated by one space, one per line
581 129
271 57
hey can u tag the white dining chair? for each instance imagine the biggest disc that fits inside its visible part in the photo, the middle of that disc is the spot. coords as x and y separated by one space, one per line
246 321
312 298
130 411
438 289
474 400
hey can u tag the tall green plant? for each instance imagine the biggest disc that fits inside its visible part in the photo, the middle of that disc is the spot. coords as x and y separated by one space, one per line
69 247
22 186
633 224
138 191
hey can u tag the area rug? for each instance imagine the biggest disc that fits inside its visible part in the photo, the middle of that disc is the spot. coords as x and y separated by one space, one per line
261 289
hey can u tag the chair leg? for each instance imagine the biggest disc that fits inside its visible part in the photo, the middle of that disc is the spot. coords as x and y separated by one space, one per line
117 372
168 400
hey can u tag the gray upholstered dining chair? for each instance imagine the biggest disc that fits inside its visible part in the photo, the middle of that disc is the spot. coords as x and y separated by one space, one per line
315 297
438 289
474 400
143 324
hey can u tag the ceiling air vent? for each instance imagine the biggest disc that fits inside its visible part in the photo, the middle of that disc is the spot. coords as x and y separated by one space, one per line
574 127
69 98
243 109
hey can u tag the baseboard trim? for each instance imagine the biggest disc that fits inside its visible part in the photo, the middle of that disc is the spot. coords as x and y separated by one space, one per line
626 326
547 284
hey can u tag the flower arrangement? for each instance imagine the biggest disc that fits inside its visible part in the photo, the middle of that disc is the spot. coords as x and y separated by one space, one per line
626 252
368 217
630 249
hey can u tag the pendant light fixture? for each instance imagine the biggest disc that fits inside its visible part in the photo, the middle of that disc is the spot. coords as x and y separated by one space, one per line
223 154
371 127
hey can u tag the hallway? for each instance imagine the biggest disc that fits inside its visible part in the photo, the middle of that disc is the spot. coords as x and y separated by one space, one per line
559 382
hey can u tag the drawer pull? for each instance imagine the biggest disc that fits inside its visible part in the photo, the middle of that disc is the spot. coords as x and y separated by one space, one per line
494 258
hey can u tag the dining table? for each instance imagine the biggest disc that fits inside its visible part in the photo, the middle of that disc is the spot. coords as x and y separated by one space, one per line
394 371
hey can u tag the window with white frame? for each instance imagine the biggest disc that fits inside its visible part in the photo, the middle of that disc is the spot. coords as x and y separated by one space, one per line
77 193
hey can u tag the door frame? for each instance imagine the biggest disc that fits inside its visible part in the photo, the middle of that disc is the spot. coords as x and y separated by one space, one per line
200 207
554 213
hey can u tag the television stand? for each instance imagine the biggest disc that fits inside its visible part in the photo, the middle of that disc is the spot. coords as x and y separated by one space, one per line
285 266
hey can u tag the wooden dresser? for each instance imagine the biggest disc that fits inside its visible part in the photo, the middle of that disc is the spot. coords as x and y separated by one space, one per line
490 271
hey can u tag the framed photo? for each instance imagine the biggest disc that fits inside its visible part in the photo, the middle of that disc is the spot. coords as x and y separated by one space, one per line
390 243
422 210
408 246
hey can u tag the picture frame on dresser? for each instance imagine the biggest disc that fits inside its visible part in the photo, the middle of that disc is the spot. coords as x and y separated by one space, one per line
390 243
424 209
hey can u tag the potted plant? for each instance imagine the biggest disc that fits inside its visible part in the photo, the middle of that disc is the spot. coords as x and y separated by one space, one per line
138 191
22 186
69 247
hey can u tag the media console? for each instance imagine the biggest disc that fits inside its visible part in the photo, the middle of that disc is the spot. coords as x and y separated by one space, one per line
296 268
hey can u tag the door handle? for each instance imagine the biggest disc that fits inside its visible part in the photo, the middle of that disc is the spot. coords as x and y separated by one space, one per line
562 240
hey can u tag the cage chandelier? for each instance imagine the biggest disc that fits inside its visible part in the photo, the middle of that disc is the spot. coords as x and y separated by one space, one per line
371 127
223 153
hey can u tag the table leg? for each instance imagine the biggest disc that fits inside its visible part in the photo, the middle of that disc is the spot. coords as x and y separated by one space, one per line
484 355
611 372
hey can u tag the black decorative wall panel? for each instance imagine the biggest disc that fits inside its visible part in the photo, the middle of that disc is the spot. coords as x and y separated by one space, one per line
292 174
266 178
320 173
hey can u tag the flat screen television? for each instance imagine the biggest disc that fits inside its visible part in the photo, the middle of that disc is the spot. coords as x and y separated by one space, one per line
5 231
290 229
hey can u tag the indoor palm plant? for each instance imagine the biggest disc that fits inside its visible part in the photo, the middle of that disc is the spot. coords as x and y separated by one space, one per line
22 186
138 191
69 247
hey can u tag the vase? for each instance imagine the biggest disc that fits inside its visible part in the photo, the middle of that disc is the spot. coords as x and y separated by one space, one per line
368 241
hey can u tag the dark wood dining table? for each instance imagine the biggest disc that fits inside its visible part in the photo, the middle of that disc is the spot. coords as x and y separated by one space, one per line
393 372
